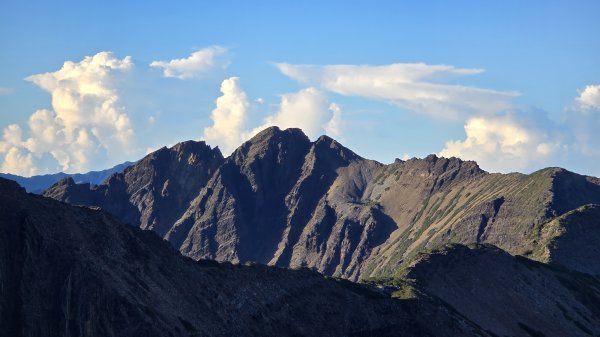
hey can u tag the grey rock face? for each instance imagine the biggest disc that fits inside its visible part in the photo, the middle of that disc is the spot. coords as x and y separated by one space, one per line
150 194
75 271
282 200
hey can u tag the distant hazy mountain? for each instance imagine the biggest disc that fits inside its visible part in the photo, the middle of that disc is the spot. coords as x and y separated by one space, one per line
71 271
283 200
38 184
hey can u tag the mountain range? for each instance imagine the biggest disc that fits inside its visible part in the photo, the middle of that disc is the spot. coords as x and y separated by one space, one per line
77 271
437 245
282 200
39 183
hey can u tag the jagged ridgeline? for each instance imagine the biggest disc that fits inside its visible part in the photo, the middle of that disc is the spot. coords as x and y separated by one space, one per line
283 200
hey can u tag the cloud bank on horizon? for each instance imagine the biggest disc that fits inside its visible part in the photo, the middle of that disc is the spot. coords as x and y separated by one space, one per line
88 126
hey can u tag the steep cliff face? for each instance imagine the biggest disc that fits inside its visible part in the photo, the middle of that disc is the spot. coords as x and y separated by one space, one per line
153 193
274 201
74 271
283 200
240 214
507 295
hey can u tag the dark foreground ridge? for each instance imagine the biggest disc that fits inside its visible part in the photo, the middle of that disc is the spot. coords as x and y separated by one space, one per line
283 200
511 296
75 271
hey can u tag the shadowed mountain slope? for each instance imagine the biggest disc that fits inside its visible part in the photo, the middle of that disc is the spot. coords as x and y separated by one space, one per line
74 271
560 240
507 295
152 193
283 200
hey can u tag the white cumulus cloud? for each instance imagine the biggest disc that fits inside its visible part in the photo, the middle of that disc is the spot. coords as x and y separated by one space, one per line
522 141
415 86
19 161
502 143
590 97
229 117
307 109
583 122
86 126
335 124
198 64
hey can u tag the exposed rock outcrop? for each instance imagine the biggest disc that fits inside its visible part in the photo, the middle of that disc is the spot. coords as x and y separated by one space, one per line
153 193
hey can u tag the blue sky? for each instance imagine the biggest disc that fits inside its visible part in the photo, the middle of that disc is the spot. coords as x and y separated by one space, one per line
511 84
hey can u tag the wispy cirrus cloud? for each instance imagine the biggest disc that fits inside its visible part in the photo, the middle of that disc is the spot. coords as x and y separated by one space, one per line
198 64
415 86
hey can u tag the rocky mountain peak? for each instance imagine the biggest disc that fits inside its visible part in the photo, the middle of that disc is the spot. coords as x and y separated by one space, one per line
65 183
571 190
439 165
149 194
186 153
271 142
195 151
329 147
75 193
